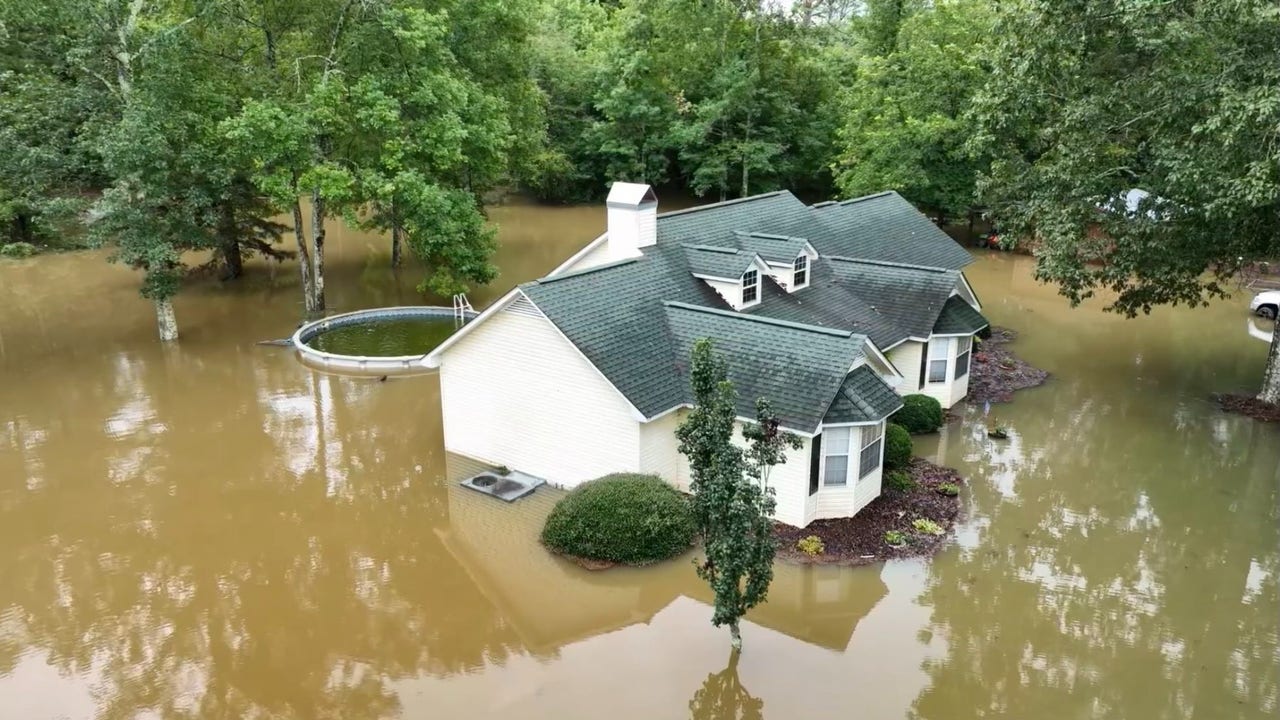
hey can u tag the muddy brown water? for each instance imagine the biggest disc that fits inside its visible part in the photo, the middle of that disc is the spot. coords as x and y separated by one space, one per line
211 530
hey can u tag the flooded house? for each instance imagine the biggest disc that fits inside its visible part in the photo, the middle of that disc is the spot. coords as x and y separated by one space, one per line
831 311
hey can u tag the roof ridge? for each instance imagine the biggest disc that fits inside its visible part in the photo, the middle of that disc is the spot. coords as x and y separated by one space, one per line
584 271
887 263
763 319
872 196
768 236
711 248
723 203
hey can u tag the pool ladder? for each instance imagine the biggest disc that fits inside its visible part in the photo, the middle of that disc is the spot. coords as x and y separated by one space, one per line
461 309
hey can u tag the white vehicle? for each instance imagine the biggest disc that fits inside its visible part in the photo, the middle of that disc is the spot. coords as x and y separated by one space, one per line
1266 304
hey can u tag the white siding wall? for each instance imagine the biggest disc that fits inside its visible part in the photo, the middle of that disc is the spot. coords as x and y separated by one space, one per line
660 450
660 455
906 357
515 392
730 291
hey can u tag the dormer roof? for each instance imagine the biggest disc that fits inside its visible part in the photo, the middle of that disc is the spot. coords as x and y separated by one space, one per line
776 249
721 263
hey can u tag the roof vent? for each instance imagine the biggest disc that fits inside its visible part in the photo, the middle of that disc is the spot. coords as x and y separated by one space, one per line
633 219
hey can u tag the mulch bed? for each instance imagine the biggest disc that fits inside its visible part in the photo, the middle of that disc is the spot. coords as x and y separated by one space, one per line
859 540
996 372
1248 405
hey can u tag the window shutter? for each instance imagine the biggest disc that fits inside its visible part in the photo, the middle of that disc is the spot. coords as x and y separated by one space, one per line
815 464
924 363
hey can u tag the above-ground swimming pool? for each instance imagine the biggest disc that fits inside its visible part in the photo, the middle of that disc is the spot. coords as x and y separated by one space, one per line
376 342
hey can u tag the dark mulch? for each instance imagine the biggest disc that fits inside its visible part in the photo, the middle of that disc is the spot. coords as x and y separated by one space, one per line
1248 405
859 540
996 372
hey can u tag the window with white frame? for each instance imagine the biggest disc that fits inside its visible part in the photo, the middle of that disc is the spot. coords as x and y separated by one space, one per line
938 349
835 461
750 287
869 456
800 272
962 356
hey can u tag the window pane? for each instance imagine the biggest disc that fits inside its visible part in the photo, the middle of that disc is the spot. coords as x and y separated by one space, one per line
870 459
836 441
801 278
966 343
962 365
871 434
750 286
938 349
837 472
937 371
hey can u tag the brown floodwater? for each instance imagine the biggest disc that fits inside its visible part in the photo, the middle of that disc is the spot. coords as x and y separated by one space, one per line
211 530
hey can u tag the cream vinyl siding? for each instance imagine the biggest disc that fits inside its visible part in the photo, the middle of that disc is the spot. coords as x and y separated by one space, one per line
515 392
906 357
660 450
790 482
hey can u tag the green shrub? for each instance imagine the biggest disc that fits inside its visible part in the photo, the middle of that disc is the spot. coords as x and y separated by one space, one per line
897 447
18 250
899 481
949 489
895 537
920 414
811 546
622 518
927 526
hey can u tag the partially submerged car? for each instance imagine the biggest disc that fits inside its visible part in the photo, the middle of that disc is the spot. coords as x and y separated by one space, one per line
1266 304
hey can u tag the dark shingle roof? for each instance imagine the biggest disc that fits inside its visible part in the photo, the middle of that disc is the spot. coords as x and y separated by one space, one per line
910 297
958 317
781 249
718 262
862 397
796 368
885 227
636 320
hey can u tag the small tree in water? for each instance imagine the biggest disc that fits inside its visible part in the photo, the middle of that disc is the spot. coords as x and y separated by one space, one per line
732 500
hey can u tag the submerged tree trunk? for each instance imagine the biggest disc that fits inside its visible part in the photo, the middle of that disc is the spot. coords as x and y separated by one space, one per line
395 245
735 636
1271 377
233 266
165 319
304 258
317 250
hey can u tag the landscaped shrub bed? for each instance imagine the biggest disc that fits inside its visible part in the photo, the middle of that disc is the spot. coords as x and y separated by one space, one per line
900 523
620 519
920 414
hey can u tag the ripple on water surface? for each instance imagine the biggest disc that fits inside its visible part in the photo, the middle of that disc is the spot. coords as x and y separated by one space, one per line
389 337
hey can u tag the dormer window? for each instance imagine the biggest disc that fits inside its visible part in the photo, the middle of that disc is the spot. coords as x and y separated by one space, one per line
800 273
750 287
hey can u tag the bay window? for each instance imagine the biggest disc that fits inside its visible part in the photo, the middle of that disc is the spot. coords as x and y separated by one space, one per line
962 356
938 350
869 456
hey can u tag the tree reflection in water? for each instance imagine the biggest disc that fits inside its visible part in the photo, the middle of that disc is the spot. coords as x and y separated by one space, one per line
722 697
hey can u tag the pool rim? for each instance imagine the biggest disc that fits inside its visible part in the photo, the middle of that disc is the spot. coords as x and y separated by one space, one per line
373 365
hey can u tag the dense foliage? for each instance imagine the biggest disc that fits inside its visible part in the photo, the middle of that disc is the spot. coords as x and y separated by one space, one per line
732 500
897 447
622 518
920 414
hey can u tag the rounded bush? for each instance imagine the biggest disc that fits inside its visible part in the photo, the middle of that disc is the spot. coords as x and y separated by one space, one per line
899 481
18 250
621 518
920 414
897 447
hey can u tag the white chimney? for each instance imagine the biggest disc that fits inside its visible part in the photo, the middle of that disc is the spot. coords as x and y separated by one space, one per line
633 219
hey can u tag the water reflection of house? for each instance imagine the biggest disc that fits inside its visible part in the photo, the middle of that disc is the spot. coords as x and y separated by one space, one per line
552 603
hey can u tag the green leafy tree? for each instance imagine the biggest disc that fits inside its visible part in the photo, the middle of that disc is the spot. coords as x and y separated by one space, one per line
1088 101
732 501
907 125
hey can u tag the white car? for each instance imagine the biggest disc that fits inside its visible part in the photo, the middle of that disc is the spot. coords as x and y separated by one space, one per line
1266 304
